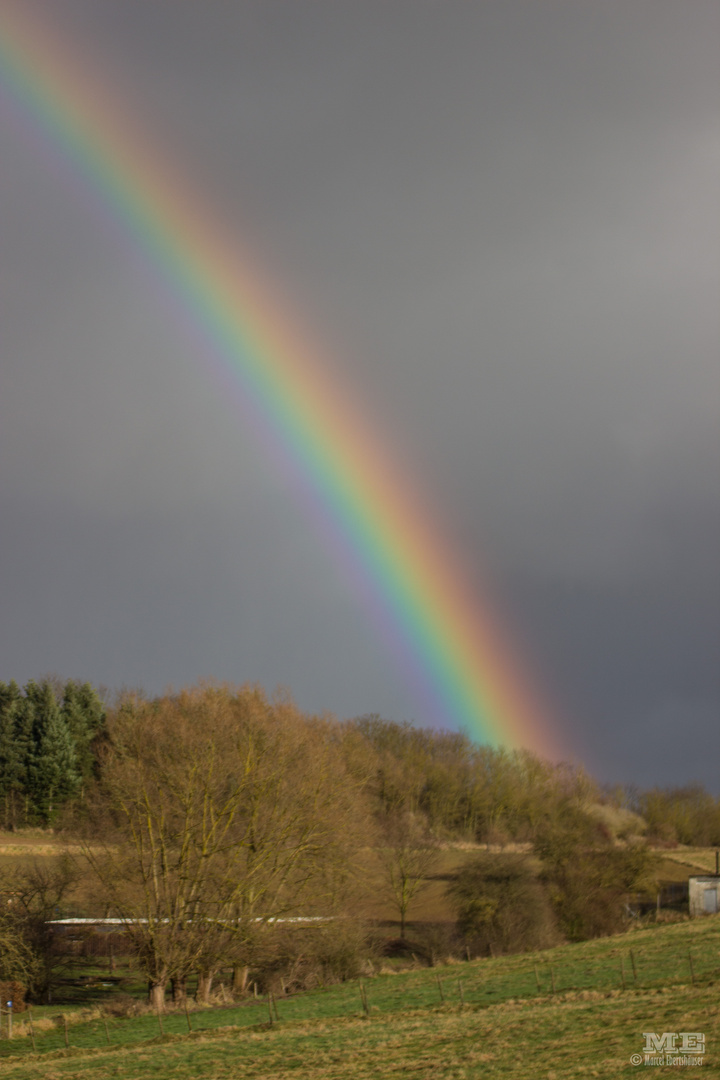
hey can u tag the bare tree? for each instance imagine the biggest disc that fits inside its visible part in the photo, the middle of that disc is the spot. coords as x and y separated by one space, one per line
19 964
218 809
30 898
408 855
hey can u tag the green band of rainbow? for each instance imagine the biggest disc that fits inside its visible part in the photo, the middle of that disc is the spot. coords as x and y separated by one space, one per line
454 641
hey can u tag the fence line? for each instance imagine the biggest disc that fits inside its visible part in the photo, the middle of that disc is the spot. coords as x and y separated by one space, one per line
484 985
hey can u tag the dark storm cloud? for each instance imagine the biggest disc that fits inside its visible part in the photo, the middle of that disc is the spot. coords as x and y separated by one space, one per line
504 214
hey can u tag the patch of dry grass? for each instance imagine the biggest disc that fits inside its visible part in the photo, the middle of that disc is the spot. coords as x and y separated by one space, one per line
694 860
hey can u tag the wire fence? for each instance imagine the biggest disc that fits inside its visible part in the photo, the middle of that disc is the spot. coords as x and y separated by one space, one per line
589 969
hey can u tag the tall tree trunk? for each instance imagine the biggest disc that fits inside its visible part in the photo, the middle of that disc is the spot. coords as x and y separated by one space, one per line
240 979
204 986
178 988
156 995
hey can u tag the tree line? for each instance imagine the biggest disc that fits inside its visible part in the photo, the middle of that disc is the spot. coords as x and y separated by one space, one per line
495 796
52 736
49 735
213 816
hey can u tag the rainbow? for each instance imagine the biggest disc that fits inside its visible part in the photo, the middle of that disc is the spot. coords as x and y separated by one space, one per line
461 661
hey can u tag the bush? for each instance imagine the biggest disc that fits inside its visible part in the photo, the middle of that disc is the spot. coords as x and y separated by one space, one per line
12 990
302 958
501 906
122 1005
435 942
589 879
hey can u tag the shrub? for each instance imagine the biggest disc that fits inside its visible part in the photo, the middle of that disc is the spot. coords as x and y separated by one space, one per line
501 905
588 878
122 1005
436 942
12 990
301 958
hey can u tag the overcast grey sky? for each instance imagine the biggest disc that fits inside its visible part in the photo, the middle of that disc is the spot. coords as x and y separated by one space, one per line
503 217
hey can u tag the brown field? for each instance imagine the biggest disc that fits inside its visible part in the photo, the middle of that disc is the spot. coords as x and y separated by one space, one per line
430 906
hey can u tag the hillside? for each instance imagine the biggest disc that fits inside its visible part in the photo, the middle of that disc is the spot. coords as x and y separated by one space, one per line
499 1018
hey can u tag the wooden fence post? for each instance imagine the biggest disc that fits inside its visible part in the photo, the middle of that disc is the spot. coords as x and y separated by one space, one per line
440 988
632 961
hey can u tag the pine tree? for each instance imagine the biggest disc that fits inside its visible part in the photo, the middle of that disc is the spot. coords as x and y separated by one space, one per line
84 714
24 721
52 767
13 754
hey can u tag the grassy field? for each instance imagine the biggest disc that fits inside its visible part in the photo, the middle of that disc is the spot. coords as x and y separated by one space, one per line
692 860
488 1018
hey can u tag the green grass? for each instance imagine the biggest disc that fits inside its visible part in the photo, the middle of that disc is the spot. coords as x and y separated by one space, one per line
590 1026
534 1040
541 1038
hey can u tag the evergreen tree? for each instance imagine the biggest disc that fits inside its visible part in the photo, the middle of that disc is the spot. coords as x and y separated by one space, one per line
24 721
52 767
13 754
84 714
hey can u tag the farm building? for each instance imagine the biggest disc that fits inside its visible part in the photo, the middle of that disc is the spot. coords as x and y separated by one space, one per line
703 895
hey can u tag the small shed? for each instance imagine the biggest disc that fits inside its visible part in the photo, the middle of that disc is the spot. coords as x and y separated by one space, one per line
704 894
